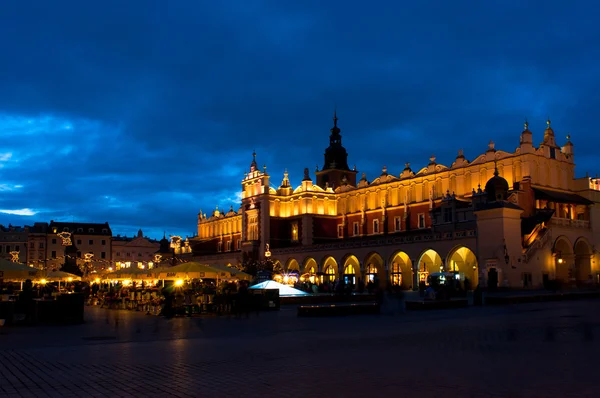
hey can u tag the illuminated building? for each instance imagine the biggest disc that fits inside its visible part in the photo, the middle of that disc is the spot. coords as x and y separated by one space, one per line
513 219
13 243
136 252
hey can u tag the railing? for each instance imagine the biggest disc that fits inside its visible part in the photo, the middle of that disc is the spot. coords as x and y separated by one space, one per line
540 239
567 222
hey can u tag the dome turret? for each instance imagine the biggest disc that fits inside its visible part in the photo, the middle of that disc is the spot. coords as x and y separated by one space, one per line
496 188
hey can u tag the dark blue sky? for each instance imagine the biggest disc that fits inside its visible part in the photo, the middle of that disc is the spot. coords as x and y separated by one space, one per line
140 113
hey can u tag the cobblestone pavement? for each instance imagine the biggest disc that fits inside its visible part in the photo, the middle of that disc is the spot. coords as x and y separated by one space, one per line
530 350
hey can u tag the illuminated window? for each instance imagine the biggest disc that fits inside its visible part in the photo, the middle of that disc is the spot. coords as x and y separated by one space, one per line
397 224
421 220
371 273
340 230
295 232
355 228
375 226
228 245
330 273
396 275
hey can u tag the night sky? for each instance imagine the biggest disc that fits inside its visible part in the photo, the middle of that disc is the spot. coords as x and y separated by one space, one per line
141 113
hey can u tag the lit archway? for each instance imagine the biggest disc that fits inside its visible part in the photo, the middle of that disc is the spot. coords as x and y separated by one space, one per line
310 266
351 271
374 269
461 259
292 265
583 261
401 271
429 262
330 269
562 253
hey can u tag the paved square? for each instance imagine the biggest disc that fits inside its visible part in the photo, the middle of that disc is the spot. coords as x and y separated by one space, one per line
530 350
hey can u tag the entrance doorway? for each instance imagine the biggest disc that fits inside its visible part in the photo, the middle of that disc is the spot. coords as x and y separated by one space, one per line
492 278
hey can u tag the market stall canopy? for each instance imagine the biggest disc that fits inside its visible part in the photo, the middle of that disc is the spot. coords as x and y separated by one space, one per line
191 270
284 290
59 276
131 273
10 271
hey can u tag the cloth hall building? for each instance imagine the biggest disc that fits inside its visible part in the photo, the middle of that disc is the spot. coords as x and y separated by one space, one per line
513 219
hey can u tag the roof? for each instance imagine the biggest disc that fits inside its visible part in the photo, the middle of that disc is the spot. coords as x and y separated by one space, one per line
81 228
560 197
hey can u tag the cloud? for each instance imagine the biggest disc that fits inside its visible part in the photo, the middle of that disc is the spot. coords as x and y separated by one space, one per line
142 114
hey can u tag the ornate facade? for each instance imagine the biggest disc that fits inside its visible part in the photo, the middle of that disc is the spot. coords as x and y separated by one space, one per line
514 219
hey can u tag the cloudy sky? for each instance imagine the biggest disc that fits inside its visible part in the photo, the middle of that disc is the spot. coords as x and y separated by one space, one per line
141 113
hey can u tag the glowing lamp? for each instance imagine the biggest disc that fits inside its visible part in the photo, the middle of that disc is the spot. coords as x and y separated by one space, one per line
70 279
560 260
179 282
43 281
97 280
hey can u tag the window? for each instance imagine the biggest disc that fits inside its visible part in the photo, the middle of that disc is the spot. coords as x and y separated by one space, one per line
91 230
355 228
397 224
340 230
53 241
580 216
239 244
104 230
294 232
139 254
103 255
375 226
79 229
91 242
41 245
253 228
32 245
219 246
447 214
118 254
228 245
65 229
421 220
78 241
78 254
127 254
17 248
53 254
103 242
8 248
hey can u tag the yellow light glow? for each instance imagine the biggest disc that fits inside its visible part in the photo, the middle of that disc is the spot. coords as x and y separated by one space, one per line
43 281
126 282
97 280
560 260
70 279
286 279
179 282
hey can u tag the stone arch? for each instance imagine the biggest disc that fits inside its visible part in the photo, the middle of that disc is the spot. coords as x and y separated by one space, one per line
310 266
562 253
401 272
374 267
277 266
330 269
583 261
429 262
351 269
292 264
463 260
